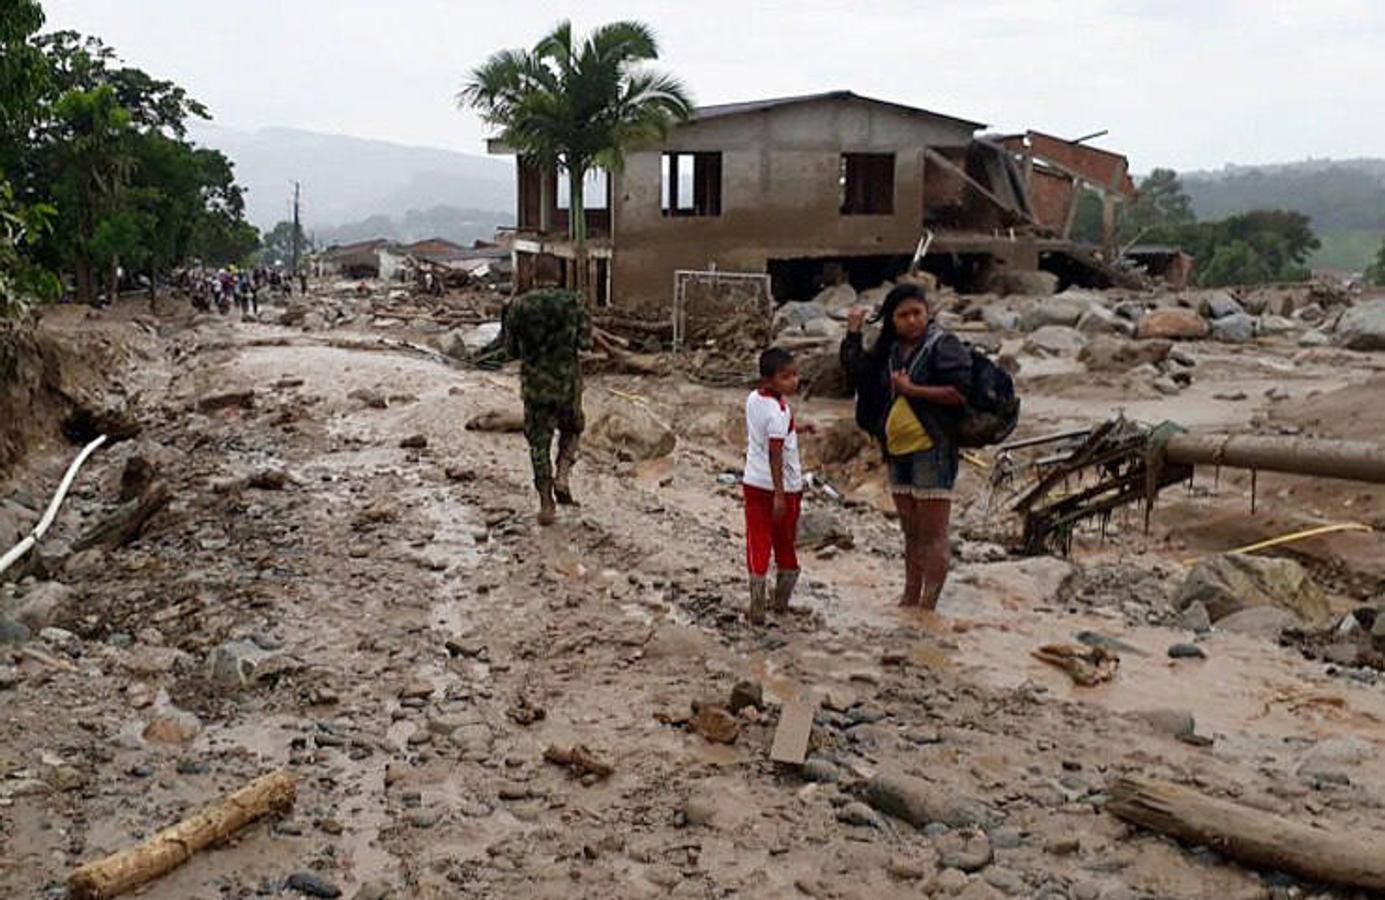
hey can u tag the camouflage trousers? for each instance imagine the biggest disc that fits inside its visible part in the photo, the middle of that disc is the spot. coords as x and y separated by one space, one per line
540 421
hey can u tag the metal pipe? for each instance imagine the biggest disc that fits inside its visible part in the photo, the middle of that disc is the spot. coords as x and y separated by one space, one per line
1352 460
51 513
1045 438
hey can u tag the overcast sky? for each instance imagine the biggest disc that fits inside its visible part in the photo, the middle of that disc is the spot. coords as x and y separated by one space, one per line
1182 83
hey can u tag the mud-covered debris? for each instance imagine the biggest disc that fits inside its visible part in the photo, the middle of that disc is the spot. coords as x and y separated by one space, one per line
1173 722
172 726
414 442
921 802
269 480
968 851
1230 582
580 760
1186 651
524 711
373 399
1087 666
42 605
417 689
858 813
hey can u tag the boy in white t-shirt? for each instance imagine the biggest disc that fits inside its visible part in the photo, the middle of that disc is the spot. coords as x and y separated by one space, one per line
773 483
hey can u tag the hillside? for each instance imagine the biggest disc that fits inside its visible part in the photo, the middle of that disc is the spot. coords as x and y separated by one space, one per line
347 179
1344 198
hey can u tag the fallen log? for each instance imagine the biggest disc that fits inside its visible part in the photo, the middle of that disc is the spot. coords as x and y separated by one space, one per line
124 525
120 872
1250 836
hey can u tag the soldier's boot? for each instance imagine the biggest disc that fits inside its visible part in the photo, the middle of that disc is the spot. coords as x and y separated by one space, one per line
562 470
758 591
548 510
784 583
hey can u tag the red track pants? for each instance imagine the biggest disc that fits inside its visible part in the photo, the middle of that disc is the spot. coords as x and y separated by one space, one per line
763 534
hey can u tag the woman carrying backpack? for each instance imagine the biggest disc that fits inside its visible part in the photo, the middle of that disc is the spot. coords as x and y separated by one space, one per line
909 396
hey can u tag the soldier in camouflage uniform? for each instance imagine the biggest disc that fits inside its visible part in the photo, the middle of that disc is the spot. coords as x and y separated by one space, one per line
545 329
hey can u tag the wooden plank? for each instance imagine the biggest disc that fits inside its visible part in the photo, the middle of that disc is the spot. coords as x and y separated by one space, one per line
795 727
1251 836
985 191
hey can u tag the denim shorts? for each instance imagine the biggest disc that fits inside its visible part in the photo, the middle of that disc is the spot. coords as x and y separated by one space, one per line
926 475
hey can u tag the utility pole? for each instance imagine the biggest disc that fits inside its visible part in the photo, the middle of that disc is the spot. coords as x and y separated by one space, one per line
293 273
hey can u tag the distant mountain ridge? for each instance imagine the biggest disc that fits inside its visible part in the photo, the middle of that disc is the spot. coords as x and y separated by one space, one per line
349 179
1345 199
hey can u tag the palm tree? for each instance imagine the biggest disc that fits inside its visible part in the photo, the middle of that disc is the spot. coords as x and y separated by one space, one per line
571 107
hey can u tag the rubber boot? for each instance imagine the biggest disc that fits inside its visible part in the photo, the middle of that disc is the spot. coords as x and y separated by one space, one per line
548 510
758 591
784 583
562 474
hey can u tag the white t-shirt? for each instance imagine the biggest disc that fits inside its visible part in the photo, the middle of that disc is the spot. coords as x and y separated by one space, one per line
769 418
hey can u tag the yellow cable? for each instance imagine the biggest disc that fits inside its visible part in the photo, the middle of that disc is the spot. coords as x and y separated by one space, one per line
1296 536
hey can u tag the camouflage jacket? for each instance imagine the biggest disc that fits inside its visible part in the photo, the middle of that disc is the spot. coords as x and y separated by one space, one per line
544 330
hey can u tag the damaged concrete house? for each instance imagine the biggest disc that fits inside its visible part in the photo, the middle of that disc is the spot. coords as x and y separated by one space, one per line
831 185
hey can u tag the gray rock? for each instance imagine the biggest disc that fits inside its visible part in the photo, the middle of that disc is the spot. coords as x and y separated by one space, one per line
233 663
920 802
1005 880
1269 324
1313 339
424 818
13 631
1032 282
795 315
1060 310
699 810
1186 651
313 885
1258 621
820 528
1237 328
9 677
858 813
1166 386
1055 340
1006 839
1220 305
1173 722
821 771
42 605
1334 757
1181 356
967 852
1230 582
374 890
1100 320
1130 310
1195 618
1363 326
999 318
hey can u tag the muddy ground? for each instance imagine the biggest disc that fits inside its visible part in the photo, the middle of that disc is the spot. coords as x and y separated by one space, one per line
414 644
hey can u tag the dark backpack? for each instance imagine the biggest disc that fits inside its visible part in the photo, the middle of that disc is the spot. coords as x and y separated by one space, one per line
992 409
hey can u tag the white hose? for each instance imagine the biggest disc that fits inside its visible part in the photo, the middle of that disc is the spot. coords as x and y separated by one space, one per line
51 513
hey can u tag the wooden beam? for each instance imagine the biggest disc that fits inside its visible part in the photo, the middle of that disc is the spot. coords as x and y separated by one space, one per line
1351 858
981 188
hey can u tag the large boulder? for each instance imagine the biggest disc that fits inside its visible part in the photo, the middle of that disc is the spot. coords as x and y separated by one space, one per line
1219 305
1173 323
1363 326
634 433
921 803
1107 353
1000 318
1100 320
1061 309
1237 328
1230 582
1055 340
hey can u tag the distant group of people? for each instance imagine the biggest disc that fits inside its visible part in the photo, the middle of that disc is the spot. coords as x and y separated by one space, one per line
910 392
235 286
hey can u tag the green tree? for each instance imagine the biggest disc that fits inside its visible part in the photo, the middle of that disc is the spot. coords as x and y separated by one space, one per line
1162 204
1375 272
277 248
1236 262
573 105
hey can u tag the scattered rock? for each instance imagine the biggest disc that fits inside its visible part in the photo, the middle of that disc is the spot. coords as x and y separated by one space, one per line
746 693
41 606
172 726
414 442
715 724
858 813
1196 618
1172 722
1055 340
1064 845
920 802
13 631
227 400
1363 326
1230 582
909 868
1219 305
371 398
1108 353
820 528
1028 282
374 890
1186 651
635 433
1061 311
1237 328
1007 881
233 663
1172 322
947 883
821 771
1258 621
967 852
1313 339
313 885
